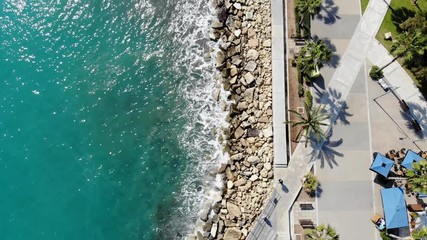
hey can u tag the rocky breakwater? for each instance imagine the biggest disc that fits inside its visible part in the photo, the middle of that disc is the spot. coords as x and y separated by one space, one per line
243 30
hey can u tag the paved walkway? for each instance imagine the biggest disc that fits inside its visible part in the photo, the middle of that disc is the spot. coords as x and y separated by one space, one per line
348 85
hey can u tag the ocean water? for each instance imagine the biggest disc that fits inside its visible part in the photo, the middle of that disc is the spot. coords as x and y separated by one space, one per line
107 125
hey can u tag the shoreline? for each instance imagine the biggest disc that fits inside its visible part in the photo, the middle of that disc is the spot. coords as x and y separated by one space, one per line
243 29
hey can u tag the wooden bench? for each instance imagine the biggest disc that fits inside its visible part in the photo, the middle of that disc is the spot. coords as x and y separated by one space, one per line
415 208
306 223
306 206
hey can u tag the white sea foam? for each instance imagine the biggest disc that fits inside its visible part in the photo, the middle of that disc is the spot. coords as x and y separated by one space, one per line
205 118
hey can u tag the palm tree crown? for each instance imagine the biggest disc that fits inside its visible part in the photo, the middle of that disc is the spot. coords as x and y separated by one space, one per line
322 232
311 122
304 7
313 54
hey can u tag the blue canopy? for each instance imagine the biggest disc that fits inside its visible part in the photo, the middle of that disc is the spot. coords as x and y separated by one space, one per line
394 205
410 158
381 165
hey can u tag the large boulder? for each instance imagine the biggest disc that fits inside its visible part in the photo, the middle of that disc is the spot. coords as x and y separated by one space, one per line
217 24
253 160
250 66
233 210
232 234
252 54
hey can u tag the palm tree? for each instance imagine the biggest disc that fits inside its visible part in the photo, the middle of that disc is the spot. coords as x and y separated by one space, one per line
311 122
322 232
312 55
408 45
304 7
417 177
420 234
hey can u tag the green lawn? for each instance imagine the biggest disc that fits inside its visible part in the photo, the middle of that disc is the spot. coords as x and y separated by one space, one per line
364 4
399 11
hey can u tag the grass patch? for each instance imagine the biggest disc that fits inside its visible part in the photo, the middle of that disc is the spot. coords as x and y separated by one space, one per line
364 4
398 12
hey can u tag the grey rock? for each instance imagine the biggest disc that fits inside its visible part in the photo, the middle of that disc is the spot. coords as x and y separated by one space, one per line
249 94
250 66
252 132
249 78
217 24
233 210
225 46
268 132
253 160
214 229
232 234
240 182
252 54
214 35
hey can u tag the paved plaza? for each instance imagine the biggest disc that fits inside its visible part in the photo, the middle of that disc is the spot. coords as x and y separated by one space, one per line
365 119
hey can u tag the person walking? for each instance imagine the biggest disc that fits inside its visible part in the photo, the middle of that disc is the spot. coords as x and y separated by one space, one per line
281 181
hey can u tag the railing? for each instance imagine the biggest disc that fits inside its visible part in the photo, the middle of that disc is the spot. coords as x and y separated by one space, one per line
263 228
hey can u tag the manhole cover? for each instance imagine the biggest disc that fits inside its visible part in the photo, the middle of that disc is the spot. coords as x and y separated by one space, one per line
300 110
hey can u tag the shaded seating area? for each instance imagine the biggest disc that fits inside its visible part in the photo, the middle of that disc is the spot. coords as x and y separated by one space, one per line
410 158
381 164
394 205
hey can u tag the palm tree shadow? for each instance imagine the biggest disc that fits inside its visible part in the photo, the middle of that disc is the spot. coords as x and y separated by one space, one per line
328 12
337 108
325 152
335 60
400 15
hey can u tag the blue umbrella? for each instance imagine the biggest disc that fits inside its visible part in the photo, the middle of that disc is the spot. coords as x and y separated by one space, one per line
410 158
394 205
381 164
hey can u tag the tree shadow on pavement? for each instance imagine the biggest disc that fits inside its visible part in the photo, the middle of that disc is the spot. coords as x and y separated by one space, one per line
319 191
337 109
325 151
335 60
418 113
328 12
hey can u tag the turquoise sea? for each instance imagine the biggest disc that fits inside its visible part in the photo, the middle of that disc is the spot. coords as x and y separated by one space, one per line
106 118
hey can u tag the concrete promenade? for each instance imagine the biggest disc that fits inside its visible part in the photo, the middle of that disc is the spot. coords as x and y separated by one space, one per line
348 196
278 83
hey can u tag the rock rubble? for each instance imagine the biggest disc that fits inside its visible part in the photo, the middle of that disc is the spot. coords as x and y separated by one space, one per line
243 28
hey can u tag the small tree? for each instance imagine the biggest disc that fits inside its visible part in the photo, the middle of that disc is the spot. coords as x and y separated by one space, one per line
417 177
311 122
375 74
408 45
310 183
312 56
322 232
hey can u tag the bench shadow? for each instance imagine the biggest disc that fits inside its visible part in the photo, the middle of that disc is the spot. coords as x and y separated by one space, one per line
328 12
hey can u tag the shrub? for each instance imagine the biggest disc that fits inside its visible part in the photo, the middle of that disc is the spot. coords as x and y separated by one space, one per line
384 236
375 74
310 183
300 90
308 98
